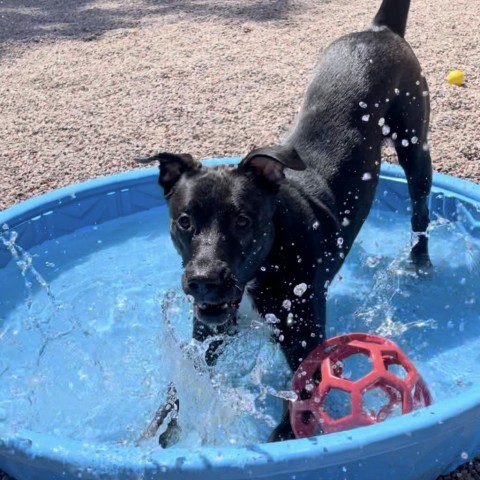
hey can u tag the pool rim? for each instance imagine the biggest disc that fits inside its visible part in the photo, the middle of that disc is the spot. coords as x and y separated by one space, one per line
26 209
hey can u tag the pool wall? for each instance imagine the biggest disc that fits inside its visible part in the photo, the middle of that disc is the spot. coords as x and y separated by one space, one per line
65 210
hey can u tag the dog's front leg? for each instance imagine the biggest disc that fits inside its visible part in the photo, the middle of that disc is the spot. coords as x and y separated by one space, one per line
302 332
283 431
202 332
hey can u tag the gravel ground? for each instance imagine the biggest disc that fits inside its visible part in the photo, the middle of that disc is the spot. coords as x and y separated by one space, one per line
87 85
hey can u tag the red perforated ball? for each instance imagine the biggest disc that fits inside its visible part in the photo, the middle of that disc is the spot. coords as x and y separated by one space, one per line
354 380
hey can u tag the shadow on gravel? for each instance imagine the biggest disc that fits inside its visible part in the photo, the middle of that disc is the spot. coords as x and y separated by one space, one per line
27 21
244 10
33 20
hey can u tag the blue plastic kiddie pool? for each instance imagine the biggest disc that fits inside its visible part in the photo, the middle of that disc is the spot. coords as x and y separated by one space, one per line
93 326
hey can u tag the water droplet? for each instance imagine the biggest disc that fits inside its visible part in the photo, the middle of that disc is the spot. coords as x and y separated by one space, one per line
366 176
414 140
464 455
372 262
397 91
394 136
381 122
315 225
405 142
366 118
345 222
425 93
363 105
271 318
300 289
287 304
385 130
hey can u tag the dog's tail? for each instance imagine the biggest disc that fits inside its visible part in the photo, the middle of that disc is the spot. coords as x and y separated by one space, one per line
393 15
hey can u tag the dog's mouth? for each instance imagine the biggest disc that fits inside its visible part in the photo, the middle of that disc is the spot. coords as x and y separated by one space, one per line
215 314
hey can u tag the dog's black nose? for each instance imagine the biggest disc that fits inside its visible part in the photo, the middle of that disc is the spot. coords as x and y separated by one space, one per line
208 283
204 285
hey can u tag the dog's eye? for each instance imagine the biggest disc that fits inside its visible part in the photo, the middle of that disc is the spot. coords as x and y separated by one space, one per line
242 221
184 221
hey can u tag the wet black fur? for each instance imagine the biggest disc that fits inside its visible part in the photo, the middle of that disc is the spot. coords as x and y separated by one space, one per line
304 220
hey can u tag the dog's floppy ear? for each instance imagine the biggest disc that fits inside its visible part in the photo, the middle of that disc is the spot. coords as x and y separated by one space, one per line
270 162
172 167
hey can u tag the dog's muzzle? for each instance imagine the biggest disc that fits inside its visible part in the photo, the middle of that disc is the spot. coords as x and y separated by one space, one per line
216 294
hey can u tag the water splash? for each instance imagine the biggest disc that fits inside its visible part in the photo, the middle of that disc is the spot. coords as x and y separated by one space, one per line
378 311
472 250
391 328
24 261
227 393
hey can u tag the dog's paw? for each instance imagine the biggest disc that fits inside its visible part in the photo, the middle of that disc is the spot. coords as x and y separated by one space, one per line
171 435
282 432
421 264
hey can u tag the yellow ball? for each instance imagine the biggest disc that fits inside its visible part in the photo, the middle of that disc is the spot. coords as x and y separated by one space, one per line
456 77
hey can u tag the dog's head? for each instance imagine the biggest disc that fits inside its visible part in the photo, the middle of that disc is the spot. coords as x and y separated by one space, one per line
221 223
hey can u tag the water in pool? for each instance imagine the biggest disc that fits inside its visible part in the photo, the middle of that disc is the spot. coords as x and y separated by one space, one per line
91 341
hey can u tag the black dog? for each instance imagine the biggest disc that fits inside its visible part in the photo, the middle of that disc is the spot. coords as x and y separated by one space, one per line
258 228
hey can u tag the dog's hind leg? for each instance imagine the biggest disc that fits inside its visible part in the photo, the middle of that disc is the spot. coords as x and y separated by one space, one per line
410 140
415 160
